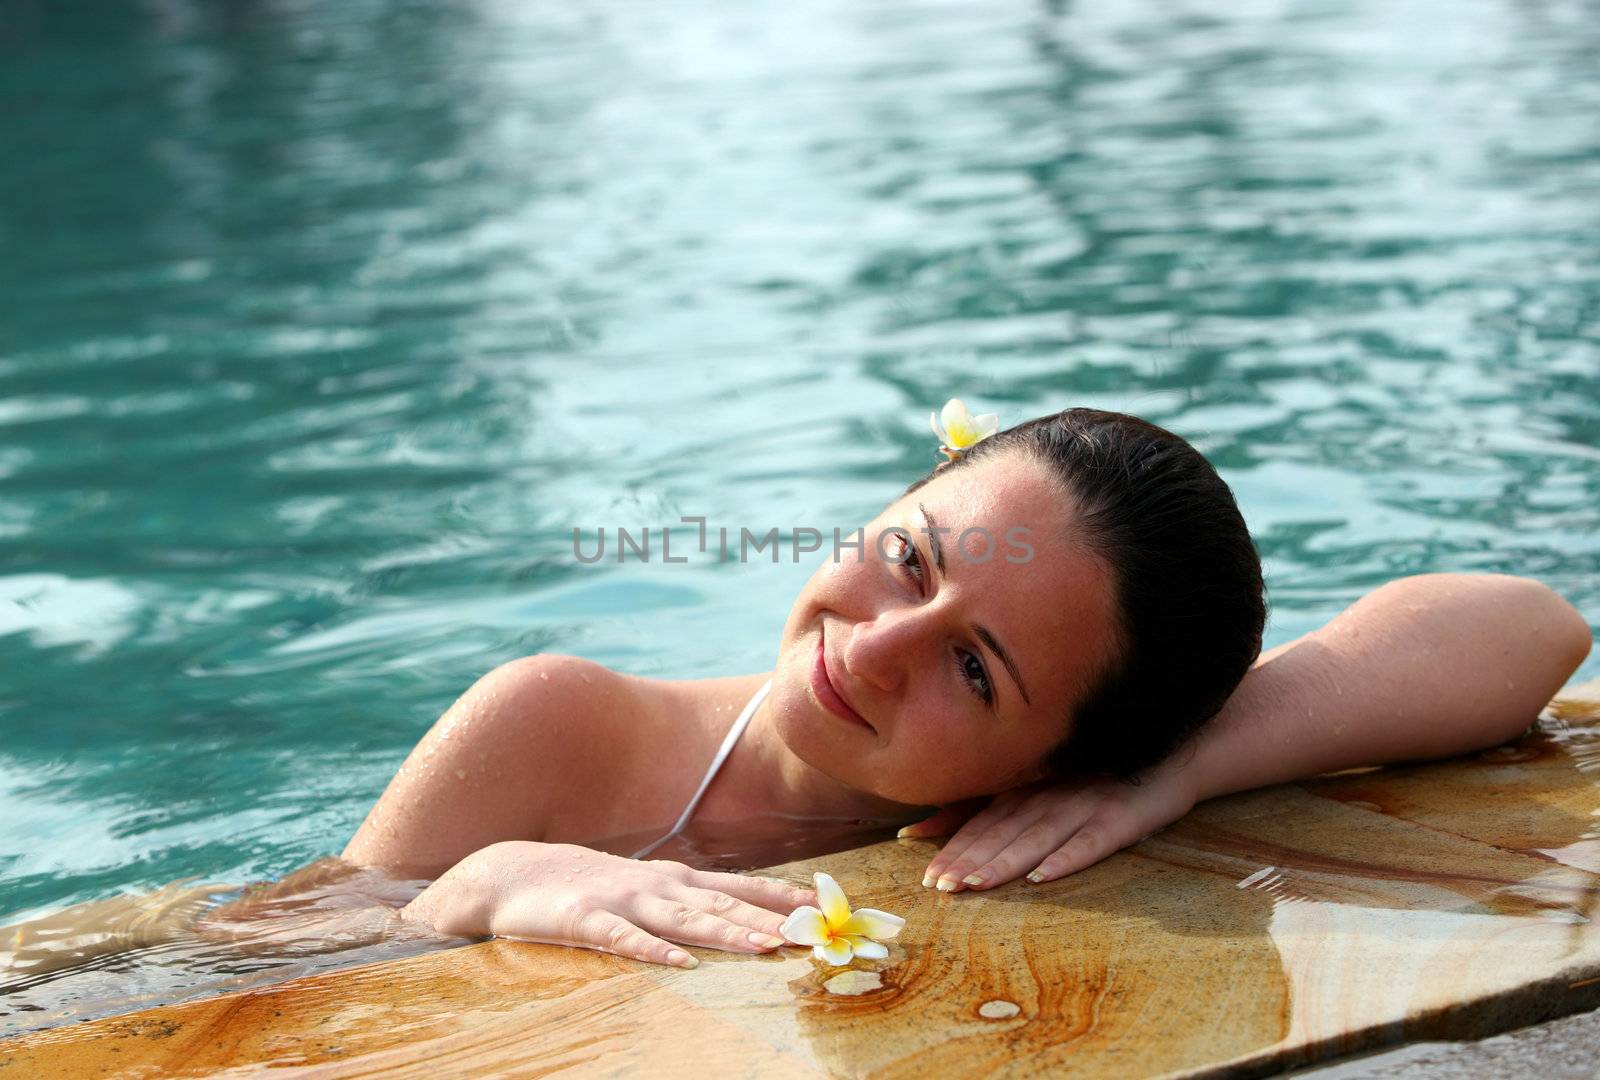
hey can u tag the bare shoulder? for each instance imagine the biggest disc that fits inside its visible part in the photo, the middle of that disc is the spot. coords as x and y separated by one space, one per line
537 694
516 746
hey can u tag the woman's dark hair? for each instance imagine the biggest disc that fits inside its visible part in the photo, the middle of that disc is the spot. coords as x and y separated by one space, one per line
1189 594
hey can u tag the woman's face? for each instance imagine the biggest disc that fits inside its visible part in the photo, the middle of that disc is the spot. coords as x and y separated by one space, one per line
919 653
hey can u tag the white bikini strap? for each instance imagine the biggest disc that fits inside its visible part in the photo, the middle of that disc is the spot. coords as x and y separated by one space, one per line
722 754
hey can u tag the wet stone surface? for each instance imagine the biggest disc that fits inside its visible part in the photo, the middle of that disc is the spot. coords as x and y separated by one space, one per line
1567 1049
851 983
1423 904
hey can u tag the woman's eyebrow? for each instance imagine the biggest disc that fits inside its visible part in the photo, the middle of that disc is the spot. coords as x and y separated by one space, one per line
1005 658
982 631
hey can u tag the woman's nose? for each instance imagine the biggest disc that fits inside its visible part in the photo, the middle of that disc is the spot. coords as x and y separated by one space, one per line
881 649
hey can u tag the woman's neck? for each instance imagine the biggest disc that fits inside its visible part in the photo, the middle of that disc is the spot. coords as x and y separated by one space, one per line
763 776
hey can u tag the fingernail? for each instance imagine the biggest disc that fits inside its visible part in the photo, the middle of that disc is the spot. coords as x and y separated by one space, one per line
973 879
927 881
766 941
903 833
682 959
1035 876
946 884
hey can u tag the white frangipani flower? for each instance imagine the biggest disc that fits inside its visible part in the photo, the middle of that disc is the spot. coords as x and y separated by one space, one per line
958 429
836 933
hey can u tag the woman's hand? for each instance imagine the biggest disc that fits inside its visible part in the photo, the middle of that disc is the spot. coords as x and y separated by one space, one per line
564 894
1051 830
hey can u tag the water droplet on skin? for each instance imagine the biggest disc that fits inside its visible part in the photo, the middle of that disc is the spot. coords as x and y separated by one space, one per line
544 675
999 1010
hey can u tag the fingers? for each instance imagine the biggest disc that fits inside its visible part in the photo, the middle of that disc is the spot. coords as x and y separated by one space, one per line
692 924
777 896
609 932
1019 837
767 924
1049 831
653 923
994 816
734 912
1088 846
991 863
944 821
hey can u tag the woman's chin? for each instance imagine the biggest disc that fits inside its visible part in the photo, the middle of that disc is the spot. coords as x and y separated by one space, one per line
795 719
818 739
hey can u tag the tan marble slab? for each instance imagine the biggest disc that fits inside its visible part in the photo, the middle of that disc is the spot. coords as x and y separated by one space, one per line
1263 931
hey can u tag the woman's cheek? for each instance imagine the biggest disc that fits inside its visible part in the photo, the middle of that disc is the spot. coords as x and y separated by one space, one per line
934 759
849 590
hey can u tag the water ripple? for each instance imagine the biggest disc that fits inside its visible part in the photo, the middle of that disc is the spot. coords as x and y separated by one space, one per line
328 322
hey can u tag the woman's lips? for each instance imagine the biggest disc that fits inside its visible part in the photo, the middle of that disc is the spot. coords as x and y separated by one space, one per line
826 695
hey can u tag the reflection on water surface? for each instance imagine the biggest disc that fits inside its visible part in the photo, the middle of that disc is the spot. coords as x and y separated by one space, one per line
190 940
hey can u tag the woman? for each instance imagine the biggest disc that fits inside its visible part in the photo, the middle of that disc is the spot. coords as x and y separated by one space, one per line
1123 645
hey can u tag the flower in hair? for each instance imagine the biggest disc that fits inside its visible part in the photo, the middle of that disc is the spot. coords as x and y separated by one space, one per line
958 430
835 933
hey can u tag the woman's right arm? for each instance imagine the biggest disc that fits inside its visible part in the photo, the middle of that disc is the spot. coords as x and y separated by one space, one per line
565 894
471 800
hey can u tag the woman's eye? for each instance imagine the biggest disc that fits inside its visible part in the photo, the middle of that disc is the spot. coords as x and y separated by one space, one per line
910 558
974 676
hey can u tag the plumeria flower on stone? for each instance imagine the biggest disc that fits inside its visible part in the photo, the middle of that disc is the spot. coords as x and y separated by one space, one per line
836 933
959 430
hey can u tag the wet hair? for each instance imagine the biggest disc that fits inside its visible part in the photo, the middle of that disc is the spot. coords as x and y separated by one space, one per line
1190 600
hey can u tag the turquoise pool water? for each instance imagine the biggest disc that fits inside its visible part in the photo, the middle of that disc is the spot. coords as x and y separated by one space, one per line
325 324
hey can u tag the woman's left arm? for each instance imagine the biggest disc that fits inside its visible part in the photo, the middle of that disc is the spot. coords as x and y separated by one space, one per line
1423 667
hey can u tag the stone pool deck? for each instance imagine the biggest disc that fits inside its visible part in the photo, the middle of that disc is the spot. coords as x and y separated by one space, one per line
1565 1049
1263 932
